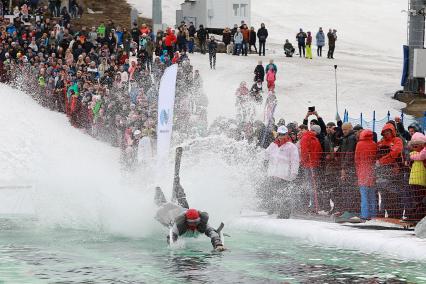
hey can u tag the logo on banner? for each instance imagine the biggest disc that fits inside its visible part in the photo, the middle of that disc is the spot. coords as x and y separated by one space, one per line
164 117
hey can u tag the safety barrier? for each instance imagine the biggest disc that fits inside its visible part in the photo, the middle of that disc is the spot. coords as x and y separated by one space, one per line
344 182
377 124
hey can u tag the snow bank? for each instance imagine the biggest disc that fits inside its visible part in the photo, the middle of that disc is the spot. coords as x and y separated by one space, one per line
395 244
421 229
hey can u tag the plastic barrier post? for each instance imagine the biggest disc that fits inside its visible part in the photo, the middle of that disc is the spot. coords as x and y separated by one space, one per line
388 115
361 120
374 121
424 121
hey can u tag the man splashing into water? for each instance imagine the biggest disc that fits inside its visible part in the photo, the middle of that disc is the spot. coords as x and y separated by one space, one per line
182 220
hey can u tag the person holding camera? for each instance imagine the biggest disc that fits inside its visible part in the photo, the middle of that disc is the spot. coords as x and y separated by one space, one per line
318 121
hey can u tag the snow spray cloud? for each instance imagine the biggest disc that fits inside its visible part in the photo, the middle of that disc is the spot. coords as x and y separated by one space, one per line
76 180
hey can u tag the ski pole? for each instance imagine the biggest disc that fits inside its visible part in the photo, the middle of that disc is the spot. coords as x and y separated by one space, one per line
335 79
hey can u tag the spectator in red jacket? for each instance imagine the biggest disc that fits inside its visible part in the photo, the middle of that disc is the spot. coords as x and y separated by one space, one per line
310 153
390 148
389 164
170 42
145 30
365 158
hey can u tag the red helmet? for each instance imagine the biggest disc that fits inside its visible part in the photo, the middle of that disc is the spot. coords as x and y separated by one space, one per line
192 216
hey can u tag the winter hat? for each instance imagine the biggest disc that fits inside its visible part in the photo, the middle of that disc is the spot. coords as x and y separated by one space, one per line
192 215
418 138
281 122
282 130
316 128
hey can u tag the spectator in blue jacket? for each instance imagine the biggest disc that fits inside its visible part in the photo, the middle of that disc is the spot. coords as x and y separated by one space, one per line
238 41
320 37
11 29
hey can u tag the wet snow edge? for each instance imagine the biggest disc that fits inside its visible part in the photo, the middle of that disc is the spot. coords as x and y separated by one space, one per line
402 245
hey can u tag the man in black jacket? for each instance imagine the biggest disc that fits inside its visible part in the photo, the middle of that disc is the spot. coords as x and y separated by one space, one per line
212 47
262 35
193 222
252 39
202 36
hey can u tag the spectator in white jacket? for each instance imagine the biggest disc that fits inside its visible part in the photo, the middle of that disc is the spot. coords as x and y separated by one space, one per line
283 166
145 152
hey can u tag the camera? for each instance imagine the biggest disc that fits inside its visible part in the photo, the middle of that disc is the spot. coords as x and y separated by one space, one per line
311 109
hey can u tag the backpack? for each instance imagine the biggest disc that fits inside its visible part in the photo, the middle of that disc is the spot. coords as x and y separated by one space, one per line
142 44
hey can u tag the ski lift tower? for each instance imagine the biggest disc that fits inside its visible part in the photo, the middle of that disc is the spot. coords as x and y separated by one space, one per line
157 15
414 53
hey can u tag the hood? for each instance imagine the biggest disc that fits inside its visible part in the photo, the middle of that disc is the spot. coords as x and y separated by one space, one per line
309 134
366 135
418 138
391 127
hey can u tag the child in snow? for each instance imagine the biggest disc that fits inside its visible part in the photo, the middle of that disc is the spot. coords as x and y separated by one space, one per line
309 46
270 79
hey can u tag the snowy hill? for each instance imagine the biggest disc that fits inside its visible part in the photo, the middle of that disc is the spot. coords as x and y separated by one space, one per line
377 25
368 52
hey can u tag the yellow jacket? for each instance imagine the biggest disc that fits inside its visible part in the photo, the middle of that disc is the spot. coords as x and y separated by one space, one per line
418 173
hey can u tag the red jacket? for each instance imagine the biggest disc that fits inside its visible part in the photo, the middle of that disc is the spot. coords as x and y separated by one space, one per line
170 39
310 150
392 146
365 158
246 34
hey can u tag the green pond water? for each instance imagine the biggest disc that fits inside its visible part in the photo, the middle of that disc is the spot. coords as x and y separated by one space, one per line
30 254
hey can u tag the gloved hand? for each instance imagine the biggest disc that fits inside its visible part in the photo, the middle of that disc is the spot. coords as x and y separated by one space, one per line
220 248
338 117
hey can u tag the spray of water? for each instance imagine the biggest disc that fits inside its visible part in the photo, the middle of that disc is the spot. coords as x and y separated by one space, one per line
76 181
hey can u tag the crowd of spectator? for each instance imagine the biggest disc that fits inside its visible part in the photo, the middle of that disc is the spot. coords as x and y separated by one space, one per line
334 159
104 78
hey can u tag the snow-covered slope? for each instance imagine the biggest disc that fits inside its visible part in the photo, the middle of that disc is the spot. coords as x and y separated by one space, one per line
374 26
368 55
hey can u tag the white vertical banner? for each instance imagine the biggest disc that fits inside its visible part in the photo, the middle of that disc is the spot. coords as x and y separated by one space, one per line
166 103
